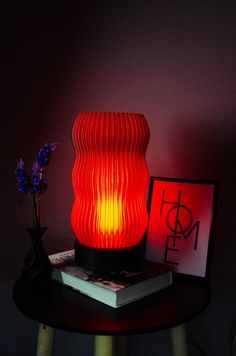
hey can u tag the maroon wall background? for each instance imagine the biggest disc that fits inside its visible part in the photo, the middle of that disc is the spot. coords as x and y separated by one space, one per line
174 61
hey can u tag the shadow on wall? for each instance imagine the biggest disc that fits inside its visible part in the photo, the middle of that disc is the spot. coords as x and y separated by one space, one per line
204 147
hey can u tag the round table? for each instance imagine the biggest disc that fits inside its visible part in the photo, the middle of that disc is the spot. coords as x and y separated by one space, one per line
56 306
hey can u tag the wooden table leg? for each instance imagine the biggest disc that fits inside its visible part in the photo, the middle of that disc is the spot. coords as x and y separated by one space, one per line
103 345
45 340
121 345
179 340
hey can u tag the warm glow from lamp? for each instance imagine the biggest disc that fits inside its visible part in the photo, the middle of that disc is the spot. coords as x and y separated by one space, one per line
110 179
109 215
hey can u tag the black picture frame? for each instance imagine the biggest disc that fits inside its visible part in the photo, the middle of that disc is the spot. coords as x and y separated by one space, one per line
182 214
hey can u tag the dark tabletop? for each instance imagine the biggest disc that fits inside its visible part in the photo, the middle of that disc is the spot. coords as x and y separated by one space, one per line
58 306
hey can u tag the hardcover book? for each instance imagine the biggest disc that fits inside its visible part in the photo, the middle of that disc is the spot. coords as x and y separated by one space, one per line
113 289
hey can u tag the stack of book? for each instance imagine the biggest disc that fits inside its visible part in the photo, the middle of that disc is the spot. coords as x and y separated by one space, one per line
113 289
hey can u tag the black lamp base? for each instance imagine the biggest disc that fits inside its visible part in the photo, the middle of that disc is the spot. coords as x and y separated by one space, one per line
109 260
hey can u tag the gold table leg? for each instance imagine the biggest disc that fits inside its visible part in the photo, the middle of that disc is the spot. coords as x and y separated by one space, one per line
103 345
45 340
179 340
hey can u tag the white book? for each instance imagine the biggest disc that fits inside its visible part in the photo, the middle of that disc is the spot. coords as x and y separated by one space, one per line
113 289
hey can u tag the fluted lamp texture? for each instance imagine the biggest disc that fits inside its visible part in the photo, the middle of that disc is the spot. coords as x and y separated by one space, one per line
110 179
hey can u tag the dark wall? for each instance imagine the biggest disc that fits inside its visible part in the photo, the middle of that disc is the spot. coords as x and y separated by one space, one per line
174 61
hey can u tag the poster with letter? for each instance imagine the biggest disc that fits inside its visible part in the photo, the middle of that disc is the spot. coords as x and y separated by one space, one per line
181 216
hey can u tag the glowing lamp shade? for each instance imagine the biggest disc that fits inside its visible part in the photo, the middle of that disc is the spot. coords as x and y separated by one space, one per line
110 179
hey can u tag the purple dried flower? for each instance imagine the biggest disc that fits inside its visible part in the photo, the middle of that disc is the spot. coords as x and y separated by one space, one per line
36 169
21 183
43 157
22 179
20 164
34 184
36 177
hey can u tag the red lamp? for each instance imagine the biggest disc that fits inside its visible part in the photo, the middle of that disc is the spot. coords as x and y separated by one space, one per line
109 178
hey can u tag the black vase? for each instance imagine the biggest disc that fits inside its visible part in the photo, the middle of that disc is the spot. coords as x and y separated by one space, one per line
37 264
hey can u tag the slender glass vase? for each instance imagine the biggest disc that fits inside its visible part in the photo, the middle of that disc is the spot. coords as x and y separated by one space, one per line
37 264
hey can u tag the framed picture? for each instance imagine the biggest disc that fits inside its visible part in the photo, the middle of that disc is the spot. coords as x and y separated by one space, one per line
181 217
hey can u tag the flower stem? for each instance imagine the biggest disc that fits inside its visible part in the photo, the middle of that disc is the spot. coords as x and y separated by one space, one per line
36 210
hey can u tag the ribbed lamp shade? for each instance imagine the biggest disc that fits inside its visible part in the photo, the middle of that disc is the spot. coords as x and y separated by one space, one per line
110 179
